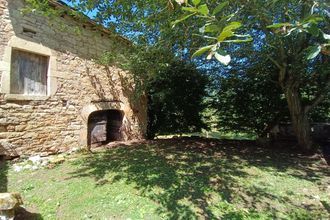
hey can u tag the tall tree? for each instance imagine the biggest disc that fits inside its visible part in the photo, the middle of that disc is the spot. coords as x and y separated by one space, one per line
175 90
176 97
295 33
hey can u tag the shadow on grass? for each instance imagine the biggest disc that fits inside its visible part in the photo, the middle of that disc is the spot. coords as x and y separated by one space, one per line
3 176
185 176
23 214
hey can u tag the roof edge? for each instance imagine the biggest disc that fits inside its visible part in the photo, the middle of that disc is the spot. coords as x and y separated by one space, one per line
62 5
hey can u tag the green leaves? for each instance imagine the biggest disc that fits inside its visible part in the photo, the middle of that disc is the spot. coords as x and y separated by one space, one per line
308 25
202 50
313 19
313 51
184 81
217 29
196 2
190 9
220 7
203 9
221 56
182 19
210 28
228 31
279 25
313 30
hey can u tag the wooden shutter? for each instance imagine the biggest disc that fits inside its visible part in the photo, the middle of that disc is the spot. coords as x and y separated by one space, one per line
28 73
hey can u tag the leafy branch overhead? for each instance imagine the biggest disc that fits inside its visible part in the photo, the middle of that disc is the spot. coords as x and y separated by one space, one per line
309 25
218 28
290 37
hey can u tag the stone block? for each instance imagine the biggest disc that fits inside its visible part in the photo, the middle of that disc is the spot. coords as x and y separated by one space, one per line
3 121
20 128
9 202
3 128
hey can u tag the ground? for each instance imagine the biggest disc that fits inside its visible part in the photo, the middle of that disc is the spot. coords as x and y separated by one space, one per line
187 178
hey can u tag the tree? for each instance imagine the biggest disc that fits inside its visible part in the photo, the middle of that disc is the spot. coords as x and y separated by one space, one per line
176 100
174 87
249 101
294 33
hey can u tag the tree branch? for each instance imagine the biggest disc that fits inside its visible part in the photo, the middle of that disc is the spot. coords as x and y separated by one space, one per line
275 62
318 98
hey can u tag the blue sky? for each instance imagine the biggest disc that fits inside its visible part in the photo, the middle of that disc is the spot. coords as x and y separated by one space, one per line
90 14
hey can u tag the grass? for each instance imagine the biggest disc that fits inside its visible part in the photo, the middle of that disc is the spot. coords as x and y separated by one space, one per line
215 135
178 179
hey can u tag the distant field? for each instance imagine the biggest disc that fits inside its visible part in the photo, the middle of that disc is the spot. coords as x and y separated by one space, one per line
177 179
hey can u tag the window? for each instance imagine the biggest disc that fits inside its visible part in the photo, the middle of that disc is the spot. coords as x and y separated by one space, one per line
28 73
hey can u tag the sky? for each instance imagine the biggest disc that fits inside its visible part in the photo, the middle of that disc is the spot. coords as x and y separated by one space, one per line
90 14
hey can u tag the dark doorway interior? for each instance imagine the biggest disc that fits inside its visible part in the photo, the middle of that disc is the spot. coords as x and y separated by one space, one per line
105 126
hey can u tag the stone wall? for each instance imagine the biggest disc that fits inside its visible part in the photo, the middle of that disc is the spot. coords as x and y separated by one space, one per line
77 84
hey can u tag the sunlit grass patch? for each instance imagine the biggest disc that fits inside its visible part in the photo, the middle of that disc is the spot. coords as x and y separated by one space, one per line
178 179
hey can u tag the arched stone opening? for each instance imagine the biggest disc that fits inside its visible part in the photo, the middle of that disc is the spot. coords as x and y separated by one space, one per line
105 126
109 116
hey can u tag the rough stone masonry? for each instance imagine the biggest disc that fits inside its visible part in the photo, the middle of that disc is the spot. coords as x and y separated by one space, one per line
50 114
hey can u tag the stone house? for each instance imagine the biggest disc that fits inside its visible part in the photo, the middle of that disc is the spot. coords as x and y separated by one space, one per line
54 94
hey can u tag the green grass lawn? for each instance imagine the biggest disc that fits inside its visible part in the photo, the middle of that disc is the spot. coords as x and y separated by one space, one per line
177 179
215 135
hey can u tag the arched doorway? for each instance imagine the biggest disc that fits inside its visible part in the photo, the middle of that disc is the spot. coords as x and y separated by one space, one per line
105 126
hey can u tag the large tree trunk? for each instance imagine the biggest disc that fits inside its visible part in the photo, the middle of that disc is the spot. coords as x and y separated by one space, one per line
299 119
